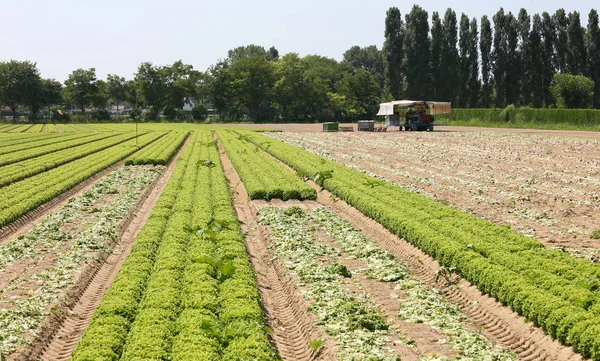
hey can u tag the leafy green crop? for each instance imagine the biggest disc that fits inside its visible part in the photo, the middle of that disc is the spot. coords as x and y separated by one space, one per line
186 291
262 176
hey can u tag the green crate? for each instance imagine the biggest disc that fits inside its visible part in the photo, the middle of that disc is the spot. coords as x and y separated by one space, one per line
330 127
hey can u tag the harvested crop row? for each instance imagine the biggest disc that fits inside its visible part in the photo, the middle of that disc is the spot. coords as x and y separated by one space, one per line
39 150
30 167
186 291
22 197
160 152
554 290
262 176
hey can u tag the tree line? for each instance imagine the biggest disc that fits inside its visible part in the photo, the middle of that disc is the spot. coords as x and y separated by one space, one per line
536 61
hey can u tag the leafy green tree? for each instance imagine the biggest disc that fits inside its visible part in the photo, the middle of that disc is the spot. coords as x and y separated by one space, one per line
485 47
500 59
513 70
20 84
361 91
437 38
115 88
292 89
52 91
100 98
80 88
199 112
151 89
534 76
561 45
252 83
416 46
463 61
547 56
182 85
593 50
272 54
449 59
368 58
48 93
252 50
393 53
219 87
573 91
524 59
576 51
474 85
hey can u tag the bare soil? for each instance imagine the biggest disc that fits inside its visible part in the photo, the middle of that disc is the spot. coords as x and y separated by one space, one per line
318 127
543 187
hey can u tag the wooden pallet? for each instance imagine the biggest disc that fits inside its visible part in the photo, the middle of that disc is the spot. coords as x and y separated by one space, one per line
346 128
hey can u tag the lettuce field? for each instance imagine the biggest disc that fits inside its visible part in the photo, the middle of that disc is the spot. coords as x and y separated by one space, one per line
196 242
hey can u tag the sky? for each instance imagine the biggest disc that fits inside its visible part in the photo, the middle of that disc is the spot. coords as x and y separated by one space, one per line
115 36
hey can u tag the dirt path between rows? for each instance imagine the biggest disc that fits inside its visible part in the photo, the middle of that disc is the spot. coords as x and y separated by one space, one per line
286 311
61 333
498 323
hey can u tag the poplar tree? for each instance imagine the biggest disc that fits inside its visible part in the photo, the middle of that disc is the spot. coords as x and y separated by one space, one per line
576 53
593 49
393 53
547 56
485 47
499 58
463 63
474 84
561 42
449 58
535 65
437 34
416 46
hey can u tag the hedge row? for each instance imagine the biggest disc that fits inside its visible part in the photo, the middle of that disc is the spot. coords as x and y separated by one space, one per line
554 290
524 117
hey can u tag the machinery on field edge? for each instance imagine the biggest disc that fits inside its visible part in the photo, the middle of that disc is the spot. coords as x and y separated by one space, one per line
417 115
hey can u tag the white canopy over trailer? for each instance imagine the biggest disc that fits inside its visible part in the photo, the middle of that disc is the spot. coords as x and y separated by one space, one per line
395 110
434 107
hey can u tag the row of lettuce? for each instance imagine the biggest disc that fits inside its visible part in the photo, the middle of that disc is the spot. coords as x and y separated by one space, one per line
18 198
159 152
263 177
14 143
187 290
557 292
30 167
22 148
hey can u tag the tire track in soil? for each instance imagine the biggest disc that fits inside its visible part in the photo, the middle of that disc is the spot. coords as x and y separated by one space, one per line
286 311
498 323
61 333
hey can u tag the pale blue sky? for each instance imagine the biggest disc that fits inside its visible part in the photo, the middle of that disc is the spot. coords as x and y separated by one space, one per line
112 36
